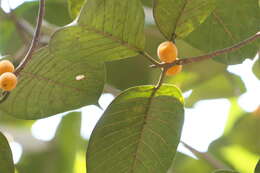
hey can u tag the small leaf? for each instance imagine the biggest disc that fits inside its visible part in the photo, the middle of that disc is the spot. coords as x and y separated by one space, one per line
225 27
256 68
257 168
109 30
67 142
74 7
49 85
6 158
139 132
29 11
177 18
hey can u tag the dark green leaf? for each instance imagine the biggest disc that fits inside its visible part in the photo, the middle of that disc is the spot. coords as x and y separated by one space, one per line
177 18
74 7
139 132
257 168
256 68
49 85
6 158
225 27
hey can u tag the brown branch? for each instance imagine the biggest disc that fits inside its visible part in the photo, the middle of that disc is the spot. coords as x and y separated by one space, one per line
207 157
33 45
35 39
209 55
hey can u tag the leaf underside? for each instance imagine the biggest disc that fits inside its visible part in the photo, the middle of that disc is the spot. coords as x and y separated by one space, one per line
69 73
139 132
177 18
227 26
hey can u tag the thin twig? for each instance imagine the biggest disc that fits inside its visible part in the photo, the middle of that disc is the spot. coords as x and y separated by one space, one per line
33 45
35 39
150 58
160 81
206 156
209 55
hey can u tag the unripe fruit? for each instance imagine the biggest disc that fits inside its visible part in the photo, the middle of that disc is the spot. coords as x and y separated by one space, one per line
167 52
6 66
174 70
8 81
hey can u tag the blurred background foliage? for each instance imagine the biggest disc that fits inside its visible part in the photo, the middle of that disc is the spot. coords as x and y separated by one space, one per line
238 148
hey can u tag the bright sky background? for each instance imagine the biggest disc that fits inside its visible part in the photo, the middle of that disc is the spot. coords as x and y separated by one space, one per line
201 126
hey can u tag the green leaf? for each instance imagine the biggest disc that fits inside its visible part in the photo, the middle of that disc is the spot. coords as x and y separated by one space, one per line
235 113
177 18
29 11
6 158
67 141
225 27
58 155
224 171
245 133
220 86
75 43
256 68
103 35
49 85
257 168
74 7
139 132
10 40
185 164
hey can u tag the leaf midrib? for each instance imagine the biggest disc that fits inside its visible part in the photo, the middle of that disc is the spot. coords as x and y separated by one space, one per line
112 37
146 116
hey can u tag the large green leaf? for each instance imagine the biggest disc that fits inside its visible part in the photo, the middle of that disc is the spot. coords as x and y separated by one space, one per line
225 27
6 158
109 30
74 7
256 68
139 132
49 85
257 168
177 18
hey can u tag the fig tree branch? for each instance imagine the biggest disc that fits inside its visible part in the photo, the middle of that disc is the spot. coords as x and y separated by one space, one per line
33 45
35 39
209 55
